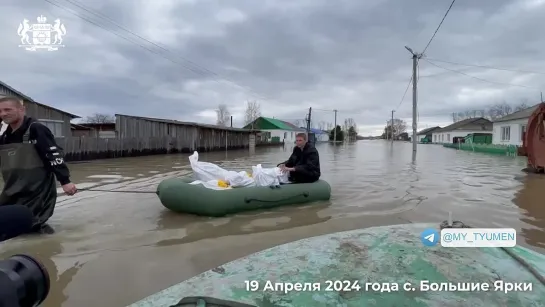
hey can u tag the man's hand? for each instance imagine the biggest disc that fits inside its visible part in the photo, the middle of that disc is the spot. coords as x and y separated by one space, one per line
69 189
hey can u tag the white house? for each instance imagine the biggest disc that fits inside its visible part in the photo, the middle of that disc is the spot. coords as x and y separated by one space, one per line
462 129
320 135
426 133
508 130
275 129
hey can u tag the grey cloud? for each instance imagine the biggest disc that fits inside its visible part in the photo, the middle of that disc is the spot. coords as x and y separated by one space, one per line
289 55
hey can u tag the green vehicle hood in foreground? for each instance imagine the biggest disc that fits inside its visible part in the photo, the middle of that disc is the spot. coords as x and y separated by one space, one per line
372 258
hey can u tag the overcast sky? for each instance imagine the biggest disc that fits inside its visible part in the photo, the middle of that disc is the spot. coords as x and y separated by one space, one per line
289 55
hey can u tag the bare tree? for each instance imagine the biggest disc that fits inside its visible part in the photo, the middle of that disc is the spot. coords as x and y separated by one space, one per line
253 111
223 115
399 126
522 105
99 118
499 110
329 126
299 123
322 125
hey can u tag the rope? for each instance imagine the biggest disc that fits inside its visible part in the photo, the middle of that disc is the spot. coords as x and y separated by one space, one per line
115 191
520 260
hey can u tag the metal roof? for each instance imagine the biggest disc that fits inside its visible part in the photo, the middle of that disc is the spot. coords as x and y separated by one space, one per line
177 122
522 114
461 123
427 130
25 97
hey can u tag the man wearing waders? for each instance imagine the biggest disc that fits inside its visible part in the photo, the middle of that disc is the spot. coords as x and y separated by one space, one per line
30 160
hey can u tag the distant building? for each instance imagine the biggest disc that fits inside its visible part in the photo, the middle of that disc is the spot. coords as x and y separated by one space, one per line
461 129
96 130
56 120
320 135
426 134
275 130
509 129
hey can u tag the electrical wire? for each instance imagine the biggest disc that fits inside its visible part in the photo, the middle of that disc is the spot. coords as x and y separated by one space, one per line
405 94
426 48
203 71
488 67
439 26
480 79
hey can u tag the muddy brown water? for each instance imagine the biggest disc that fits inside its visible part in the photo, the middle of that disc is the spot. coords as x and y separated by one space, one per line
112 249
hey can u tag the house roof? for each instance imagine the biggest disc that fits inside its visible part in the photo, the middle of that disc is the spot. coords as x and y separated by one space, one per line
278 124
318 131
428 130
25 97
294 127
522 114
460 124
177 122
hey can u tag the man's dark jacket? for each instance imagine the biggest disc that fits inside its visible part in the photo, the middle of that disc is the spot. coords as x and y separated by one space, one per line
305 161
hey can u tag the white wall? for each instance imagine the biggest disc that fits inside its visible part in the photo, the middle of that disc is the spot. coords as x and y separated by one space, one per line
285 135
446 137
322 137
515 128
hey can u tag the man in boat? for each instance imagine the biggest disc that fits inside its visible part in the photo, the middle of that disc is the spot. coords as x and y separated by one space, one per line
31 159
304 163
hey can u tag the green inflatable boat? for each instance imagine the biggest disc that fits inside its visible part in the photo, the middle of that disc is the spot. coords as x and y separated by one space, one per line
380 266
177 194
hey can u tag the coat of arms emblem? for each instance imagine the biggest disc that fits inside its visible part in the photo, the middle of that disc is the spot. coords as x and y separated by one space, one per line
41 35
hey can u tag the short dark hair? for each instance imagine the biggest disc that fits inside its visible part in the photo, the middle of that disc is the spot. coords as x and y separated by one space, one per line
12 99
301 135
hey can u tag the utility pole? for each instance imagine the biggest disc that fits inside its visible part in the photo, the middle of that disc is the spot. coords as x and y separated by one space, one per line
541 96
416 57
231 121
392 127
335 128
309 118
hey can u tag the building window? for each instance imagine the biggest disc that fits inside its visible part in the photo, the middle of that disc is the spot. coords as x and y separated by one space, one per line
442 137
505 133
285 135
448 138
522 131
56 126
435 138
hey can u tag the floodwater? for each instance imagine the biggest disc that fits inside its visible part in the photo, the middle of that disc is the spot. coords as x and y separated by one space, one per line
114 248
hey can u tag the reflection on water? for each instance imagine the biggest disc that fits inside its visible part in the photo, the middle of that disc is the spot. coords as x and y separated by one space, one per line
530 198
241 224
115 248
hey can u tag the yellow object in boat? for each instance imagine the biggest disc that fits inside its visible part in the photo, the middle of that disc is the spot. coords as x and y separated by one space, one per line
223 184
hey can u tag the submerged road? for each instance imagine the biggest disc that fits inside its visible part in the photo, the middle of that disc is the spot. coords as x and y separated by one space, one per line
114 248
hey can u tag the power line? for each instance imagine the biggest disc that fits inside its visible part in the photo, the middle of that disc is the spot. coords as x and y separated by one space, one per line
439 26
480 79
488 67
215 75
405 94
426 48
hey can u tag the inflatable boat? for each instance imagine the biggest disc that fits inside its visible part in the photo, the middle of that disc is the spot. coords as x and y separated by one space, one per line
177 194
379 266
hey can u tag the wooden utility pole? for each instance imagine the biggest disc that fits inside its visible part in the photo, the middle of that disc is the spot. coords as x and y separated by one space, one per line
392 127
335 128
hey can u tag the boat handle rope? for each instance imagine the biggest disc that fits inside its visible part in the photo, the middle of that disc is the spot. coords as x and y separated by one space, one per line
248 200
112 191
520 260
204 301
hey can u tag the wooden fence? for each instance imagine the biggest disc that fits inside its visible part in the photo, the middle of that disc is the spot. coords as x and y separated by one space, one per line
91 148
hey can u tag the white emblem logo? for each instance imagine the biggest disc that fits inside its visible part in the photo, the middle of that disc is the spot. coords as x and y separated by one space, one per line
41 34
